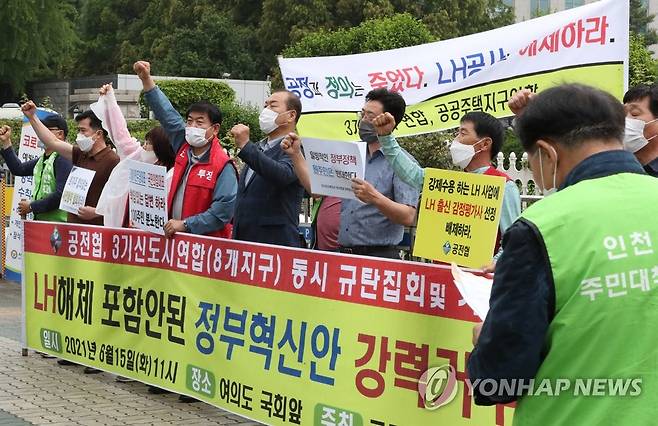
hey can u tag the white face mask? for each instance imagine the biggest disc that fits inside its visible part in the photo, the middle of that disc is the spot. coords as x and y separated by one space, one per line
84 142
547 191
462 154
195 136
149 157
634 139
267 120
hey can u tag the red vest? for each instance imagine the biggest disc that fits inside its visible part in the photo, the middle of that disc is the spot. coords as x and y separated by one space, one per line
200 183
492 171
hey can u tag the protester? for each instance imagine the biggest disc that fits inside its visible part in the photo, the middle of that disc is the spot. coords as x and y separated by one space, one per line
640 136
50 172
203 189
113 201
374 224
477 142
571 289
91 152
269 194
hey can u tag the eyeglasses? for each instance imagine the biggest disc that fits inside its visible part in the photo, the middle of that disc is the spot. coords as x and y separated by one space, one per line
366 115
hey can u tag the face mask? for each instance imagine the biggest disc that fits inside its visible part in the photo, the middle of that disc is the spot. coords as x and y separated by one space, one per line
195 136
149 157
634 139
84 142
367 132
547 191
267 120
462 154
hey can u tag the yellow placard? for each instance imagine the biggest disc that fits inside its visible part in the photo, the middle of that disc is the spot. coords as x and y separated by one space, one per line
459 217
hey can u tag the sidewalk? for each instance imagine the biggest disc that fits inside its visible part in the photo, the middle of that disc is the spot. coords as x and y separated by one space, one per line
34 390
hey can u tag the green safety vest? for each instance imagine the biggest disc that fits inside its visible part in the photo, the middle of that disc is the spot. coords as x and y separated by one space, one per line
605 272
44 185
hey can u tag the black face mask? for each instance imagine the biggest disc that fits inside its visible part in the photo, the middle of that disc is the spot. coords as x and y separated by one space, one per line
367 132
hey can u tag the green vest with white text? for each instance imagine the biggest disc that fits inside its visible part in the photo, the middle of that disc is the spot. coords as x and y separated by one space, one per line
45 184
601 239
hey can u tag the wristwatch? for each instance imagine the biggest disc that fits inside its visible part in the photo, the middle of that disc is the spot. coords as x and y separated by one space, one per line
187 228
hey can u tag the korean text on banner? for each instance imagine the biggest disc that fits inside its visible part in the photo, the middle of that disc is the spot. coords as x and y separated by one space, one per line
333 164
23 190
442 81
148 196
279 335
76 188
459 217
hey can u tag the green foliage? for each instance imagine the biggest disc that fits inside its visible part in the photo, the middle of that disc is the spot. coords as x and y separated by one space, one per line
430 150
640 18
38 40
239 114
642 69
183 93
397 31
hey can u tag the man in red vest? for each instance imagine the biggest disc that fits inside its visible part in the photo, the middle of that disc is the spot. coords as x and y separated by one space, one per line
477 142
205 181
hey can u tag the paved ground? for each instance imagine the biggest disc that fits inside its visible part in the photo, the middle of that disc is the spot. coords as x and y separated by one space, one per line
34 390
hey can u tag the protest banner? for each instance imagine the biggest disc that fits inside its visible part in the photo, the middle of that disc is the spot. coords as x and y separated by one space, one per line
76 188
333 164
459 217
275 334
23 189
444 80
147 196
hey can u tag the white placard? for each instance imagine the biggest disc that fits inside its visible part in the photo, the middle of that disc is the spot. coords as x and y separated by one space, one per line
332 165
23 186
75 191
475 290
148 196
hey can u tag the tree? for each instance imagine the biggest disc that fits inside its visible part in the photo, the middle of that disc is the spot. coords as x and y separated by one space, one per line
640 20
642 68
38 40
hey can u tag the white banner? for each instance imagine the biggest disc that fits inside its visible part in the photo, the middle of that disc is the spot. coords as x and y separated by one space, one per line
75 191
333 164
148 196
23 186
536 54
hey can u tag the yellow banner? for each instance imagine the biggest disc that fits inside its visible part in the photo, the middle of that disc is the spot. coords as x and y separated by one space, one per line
445 111
459 217
277 335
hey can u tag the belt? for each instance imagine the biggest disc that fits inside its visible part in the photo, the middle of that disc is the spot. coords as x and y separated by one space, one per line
365 249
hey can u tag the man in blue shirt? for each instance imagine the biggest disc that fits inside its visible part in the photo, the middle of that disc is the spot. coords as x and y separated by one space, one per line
200 159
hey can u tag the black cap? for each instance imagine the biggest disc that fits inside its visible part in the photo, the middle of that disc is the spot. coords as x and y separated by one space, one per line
56 121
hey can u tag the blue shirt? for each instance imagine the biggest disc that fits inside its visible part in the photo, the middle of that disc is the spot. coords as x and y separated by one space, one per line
363 224
221 209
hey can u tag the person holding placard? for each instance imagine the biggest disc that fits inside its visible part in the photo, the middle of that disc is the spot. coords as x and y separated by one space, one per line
373 224
91 152
50 172
478 141
156 150
204 184
571 298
